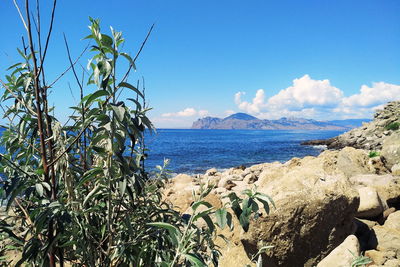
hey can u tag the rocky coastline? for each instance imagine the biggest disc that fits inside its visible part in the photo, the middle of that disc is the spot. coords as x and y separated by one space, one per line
329 209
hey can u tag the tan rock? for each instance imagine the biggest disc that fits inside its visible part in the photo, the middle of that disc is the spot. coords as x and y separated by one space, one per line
396 169
250 178
392 263
341 255
387 186
303 218
379 257
352 161
387 212
391 149
393 220
370 203
211 172
386 239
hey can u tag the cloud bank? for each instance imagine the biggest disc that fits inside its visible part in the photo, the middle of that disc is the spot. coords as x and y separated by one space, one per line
318 99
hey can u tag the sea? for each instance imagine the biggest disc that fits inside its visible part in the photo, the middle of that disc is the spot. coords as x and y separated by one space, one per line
194 151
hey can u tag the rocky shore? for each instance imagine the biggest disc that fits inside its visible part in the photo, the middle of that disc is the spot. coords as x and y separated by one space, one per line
329 209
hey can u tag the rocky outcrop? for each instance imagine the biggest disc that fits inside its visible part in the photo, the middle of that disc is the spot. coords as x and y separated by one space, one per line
371 135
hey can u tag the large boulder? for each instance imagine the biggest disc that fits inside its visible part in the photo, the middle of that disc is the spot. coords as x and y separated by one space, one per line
343 255
314 213
352 161
387 186
387 237
370 203
391 150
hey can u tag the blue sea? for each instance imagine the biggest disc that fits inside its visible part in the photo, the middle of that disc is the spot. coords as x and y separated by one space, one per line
195 151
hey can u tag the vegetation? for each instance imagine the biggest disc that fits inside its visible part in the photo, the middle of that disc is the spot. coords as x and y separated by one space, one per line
393 126
78 192
373 154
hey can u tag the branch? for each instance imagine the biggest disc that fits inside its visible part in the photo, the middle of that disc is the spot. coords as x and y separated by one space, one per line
76 61
48 36
20 14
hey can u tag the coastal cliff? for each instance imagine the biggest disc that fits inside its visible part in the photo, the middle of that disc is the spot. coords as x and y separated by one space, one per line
244 121
342 200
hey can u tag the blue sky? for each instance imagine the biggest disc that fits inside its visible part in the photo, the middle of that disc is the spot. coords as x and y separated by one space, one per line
314 59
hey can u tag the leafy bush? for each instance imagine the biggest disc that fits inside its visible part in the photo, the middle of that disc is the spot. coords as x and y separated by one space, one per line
79 192
393 126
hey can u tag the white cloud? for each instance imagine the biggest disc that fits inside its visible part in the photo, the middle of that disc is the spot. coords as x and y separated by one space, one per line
187 112
379 93
306 92
319 99
253 107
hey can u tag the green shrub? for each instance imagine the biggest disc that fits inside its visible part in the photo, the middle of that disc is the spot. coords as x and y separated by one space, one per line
79 192
393 126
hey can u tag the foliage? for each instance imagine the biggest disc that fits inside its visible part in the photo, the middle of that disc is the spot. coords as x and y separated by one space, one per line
373 154
393 126
79 192
360 260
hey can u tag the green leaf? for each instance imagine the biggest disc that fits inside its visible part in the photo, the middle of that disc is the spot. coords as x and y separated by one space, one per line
106 40
195 260
209 223
119 111
221 218
95 95
128 57
39 189
172 230
122 187
265 198
196 204
130 86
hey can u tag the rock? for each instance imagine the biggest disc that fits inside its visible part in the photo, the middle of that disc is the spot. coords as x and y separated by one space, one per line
387 186
313 216
250 178
393 221
352 161
377 165
391 149
379 257
224 181
230 185
341 256
387 212
396 169
370 203
392 263
385 239
211 172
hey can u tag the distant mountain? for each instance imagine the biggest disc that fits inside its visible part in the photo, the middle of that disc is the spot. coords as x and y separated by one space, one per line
248 122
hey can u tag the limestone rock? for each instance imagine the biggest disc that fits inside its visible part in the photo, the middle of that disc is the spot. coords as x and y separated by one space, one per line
391 150
387 186
370 203
379 257
250 178
211 172
341 256
352 161
392 263
396 169
311 219
387 236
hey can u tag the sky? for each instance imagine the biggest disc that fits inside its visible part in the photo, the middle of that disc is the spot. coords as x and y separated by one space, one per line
314 59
